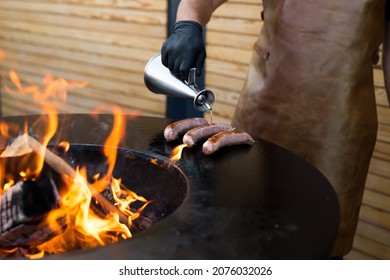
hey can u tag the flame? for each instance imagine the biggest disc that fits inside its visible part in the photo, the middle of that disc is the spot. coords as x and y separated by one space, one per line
65 145
124 205
74 223
46 126
49 88
85 229
113 140
4 129
16 81
36 256
8 184
177 152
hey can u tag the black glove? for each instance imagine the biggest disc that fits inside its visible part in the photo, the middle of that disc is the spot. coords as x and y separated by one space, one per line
184 49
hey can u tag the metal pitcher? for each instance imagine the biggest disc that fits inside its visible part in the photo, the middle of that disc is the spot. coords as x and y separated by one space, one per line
159 79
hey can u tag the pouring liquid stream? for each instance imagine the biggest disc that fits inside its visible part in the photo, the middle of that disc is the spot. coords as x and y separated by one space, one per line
211 112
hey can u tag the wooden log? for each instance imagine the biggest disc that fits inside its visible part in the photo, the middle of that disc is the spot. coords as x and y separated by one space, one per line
22 208
25 144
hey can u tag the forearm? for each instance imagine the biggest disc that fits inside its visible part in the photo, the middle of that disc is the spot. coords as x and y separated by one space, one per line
386 59
197 10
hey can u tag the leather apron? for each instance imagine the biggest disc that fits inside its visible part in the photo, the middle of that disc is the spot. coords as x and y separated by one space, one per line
310 89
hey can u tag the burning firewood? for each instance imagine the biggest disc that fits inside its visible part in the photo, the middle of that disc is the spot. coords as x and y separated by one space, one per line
17 215
22 208
25 144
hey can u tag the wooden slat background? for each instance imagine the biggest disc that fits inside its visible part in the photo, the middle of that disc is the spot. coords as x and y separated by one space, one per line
107 44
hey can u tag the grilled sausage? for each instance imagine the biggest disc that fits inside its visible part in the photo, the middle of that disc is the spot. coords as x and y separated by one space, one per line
173 130
203 132
226 138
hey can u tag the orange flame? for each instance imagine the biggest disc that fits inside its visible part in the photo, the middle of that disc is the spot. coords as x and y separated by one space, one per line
124 205
113 140
74 224
84 228
177 152
49 88
65 145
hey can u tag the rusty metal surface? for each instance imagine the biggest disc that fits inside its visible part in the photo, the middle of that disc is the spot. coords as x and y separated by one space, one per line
243 202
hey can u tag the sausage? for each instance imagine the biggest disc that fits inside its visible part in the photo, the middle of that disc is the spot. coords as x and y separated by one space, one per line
226 138
180 127
203 132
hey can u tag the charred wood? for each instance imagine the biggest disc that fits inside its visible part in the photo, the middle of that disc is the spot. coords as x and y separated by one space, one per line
22 208
26 144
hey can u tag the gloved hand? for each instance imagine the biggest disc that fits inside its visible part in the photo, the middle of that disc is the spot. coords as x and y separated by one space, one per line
184 49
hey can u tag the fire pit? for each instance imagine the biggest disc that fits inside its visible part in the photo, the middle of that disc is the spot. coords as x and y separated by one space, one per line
166 188
257 202
21 224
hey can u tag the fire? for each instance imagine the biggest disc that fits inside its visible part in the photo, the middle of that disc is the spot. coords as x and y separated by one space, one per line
112 140
65 145
81 221
49 88
8 185
73 223
177 152
124 204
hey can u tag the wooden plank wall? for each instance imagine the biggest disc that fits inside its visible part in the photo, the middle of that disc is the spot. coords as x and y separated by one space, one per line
107 44
372 240
230 37
103 42
231 33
